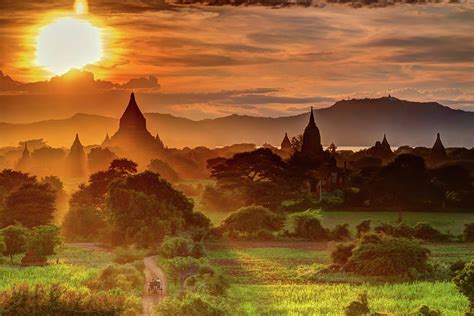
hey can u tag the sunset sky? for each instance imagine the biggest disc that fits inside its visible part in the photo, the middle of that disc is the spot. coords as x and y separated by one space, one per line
203 61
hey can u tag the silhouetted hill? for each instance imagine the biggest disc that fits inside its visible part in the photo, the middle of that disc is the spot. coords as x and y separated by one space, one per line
346 123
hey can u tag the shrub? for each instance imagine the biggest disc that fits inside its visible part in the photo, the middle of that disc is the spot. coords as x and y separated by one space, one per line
207 281
340 232
332 199
363 227
456 266
427 232
173 247
341 252
468 234
252 218
359 307
123 277
464 280
192 304
387 256
124 255
264 234
424 310
308 226
58 300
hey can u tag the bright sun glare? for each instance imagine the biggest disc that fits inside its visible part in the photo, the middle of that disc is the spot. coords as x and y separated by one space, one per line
69 43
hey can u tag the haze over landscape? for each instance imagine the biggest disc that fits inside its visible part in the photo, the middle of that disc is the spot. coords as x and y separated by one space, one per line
237 157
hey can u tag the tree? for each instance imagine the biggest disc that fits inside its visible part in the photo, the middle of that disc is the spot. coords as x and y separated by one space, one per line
181 247
140 203
251 219
43 241
11 180
123 166
83 222
99 159
15 238
260 177
163 169
31 205
403 183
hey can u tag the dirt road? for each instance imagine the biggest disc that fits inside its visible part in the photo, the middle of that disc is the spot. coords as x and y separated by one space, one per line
151 271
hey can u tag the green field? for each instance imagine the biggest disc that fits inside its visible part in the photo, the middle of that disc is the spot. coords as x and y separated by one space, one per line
76 266
281 278
445 222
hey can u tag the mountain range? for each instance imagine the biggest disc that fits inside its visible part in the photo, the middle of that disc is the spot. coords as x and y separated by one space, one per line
356 122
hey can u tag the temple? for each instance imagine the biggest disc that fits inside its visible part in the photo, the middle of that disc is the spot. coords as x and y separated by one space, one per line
133 139
311 146
438 152
24 162
76 160
286 145
381 150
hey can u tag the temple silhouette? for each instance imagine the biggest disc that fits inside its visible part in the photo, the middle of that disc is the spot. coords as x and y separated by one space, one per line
133 139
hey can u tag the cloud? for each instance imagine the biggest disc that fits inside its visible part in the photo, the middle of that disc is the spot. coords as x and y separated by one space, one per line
75 82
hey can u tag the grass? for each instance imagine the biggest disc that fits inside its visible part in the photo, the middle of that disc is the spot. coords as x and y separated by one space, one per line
330 299
76 267
285 278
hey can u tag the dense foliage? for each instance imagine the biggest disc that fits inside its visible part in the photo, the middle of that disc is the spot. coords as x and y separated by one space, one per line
464 281
252 219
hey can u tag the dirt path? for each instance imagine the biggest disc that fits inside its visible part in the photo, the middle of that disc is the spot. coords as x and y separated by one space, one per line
151 271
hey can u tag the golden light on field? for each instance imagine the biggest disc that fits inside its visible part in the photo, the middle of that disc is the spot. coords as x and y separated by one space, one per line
69 42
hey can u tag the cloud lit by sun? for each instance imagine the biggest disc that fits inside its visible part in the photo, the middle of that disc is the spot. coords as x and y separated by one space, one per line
69 42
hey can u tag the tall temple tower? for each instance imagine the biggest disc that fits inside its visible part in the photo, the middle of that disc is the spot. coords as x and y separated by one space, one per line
76 160
132 139
24 162
286 144
438 152
311 146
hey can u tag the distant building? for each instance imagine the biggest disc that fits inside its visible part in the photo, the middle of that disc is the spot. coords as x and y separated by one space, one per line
320 166
381 149
106 142
286 145
132 139
438 152
23 163
76 160
311 146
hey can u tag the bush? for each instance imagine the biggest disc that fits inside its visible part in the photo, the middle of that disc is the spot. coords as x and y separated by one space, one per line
192 304
425 231
173 247
424 310
332 199
363 227
341 252
464 280
468 234
207 281
58 300
387 256
124 255
308 226
264 234
359 307
340 232
456 266
251 219
127 278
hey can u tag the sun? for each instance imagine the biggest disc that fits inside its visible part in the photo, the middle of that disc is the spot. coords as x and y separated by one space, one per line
68 43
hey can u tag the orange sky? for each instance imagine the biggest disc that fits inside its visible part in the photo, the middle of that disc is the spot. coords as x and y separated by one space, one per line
203 62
